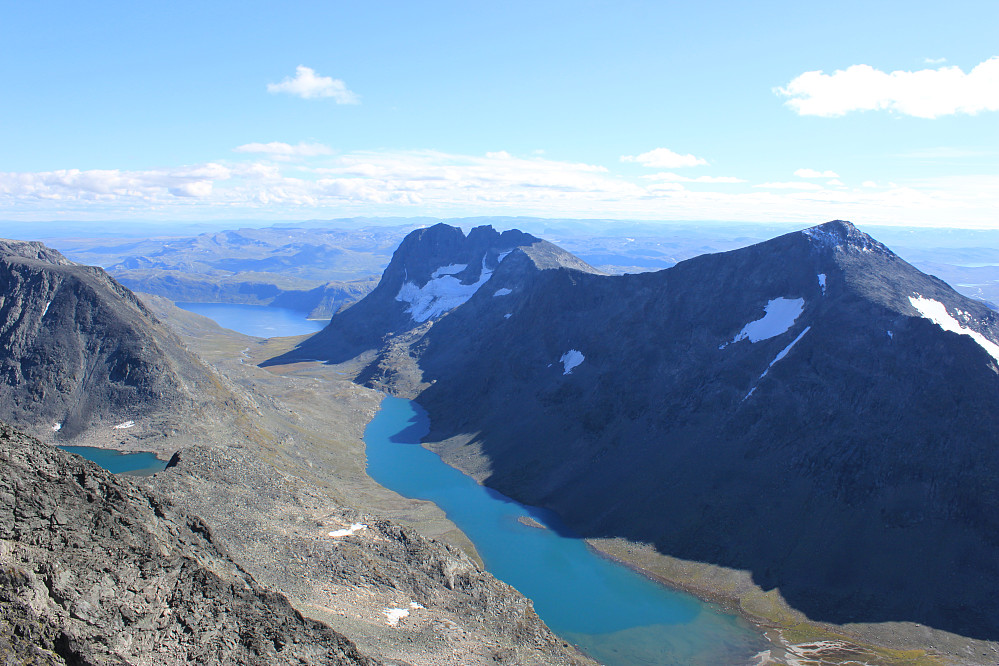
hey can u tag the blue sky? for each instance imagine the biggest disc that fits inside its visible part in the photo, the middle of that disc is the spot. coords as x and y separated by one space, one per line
883 113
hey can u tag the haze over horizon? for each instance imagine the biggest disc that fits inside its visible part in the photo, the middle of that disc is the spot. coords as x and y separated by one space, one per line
782 113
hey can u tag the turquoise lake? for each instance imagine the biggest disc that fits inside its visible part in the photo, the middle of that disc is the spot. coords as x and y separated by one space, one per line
261 321
612 613
141 463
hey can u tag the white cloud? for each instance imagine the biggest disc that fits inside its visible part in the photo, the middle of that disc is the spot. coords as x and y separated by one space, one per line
198 189
677 178
793 185
664 158
308 85
868 183
453 185
812 173
836 182
926 93
285 150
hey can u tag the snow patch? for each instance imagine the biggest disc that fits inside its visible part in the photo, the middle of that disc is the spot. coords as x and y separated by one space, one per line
822 282
502 292
441 294
781 313
783 352
936 312
124 426
46 308
502 256
507 315
347 531
891 336
570 360
57 427
449 270
393 615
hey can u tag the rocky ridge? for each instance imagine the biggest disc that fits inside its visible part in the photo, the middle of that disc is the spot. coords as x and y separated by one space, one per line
81 356
96 570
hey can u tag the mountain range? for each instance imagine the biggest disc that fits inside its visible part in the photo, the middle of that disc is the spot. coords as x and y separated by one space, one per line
812 409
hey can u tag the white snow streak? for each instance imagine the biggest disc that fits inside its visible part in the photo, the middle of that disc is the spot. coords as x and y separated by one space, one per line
46 308
502 256
502 292
441 294
936 312
822 282
781 314
507 315
356 527
124 426
784 351
57 427
570 360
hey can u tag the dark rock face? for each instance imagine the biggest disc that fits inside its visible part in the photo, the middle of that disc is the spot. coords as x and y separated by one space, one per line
77 349
95 570
842 447
433 271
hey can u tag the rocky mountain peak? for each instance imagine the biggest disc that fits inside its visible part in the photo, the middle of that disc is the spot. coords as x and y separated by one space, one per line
31 250
845 236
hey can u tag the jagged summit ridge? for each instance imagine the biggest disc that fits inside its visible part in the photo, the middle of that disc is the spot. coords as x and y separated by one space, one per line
844 235
435 271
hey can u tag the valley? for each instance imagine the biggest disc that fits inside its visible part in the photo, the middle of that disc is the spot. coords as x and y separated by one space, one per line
286 469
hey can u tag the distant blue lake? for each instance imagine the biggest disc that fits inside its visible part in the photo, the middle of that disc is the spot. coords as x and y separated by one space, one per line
614 614
261 321
142 463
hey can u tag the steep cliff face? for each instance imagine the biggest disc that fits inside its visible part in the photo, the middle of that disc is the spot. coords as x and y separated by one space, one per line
79 351
812 409
434 271
96 570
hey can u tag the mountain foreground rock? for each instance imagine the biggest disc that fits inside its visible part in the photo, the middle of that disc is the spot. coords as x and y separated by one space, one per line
96 570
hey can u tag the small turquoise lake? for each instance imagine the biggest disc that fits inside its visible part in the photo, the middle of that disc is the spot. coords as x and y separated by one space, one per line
142 463
262 321
612 613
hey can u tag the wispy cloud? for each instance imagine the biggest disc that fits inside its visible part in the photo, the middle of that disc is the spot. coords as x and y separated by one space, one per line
792 185
812 173
285 150
934 61
308 85
664 158
926 93
677 178
499 183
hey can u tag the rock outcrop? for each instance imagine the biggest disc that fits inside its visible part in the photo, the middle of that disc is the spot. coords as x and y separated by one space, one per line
95 570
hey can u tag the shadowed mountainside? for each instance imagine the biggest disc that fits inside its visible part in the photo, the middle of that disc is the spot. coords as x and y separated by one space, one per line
795 408
79 352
